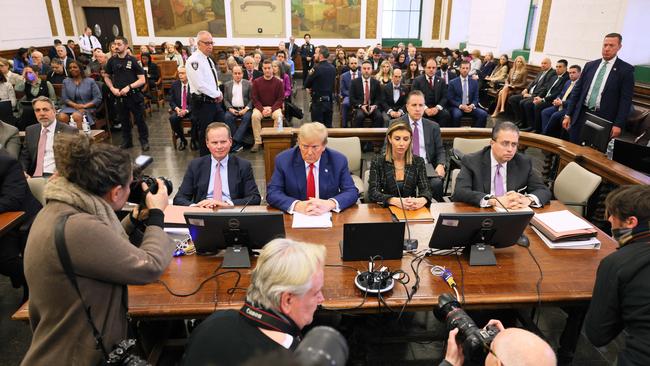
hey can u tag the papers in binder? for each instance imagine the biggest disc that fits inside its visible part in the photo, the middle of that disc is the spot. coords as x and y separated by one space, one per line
562 225
421 214
301 221
591 243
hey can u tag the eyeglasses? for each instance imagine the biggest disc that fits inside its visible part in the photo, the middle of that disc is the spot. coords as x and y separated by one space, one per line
506 144
207 43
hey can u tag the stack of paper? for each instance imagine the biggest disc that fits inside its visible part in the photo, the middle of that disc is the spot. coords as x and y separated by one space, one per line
301 221
562 225
590 243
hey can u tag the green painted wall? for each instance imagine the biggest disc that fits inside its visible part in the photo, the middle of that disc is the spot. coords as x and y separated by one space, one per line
525 53
389 42
642 74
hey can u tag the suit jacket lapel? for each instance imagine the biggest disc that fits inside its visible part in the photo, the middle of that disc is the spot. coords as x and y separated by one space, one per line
513 169
486 170
428 137
324 176
233 177
300 177
204 178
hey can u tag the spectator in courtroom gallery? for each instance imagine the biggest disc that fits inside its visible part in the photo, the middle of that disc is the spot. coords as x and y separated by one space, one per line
394 101
400 61
366 97
533 110
361 55
174 55
411 73
310 178
445 72
94 67
52 50
499 75
223 73
475 63
435 94
80 97
21 60
286 81
463 98
605 88
250 72
621 295
180 106
411 54
511 177
239 104
539 86
7 92
341 60
376 60
307 51
268 99
292 49
552 116
10 139
514 84
385 74
320 84
288 66
151 71
13 78
88 43
37 154
34 87
70 49
344 89
286 287
62 55
38 65
56 74
486 68
398 173
218 179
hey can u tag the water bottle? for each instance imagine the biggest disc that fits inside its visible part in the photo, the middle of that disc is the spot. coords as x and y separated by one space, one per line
279 122
72 123
85 125
610 149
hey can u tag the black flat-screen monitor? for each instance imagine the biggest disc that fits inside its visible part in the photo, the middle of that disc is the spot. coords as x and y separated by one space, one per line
595 132
632 155
479 231
237 232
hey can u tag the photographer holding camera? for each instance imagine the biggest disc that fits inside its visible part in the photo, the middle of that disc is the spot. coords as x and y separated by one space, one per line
78 259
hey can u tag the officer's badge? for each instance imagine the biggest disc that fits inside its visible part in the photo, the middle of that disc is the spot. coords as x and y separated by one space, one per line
195 65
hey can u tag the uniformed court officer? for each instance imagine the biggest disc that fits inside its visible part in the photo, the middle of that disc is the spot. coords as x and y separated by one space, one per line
307 55
321 83
206 96
124 77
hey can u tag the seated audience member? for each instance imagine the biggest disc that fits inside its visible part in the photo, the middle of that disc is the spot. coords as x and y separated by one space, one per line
385 74
462 95
513 182
21 60
238 103
376 60
223 73
179 102
14 196
62 55
622 290
38 65
514 84
70 47
341 60
57 74
394 100
7 91
552 116
151 71
475 63
293 186
52 51
411 54
37 155
499 74
92 183
80 97
286 288
286 81
398 172
33 87
456 59
258 58
435 94
218 179
511 346
538 86
400 61
366 97
10 139
411 73
344 89
174 55
268 99
486 68
533 111
96 65
445 72
361 55
250 72
11 76
288 66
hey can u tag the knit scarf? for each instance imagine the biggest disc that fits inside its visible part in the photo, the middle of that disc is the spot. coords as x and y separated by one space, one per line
60 189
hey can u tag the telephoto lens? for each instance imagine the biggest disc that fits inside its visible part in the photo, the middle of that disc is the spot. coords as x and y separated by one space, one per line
322 346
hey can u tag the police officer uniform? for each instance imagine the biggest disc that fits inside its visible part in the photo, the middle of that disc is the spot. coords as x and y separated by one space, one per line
307 50
124 72
321 82
204 84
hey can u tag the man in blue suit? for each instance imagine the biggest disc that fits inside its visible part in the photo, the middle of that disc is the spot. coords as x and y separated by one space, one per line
605 89
346 80
552 116
179 102
462 95
310 178
218 179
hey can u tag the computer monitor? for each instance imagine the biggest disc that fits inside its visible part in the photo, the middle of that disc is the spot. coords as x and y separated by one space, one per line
479 231
632 155
595 132
237 232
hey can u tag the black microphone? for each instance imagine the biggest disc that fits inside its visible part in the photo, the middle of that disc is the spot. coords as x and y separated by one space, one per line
409 244
247 202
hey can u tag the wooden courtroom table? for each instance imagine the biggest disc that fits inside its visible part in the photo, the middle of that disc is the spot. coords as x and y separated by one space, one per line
569 275
95 135
596 162
9 220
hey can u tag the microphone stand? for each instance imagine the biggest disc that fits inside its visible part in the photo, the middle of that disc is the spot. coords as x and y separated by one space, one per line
409 244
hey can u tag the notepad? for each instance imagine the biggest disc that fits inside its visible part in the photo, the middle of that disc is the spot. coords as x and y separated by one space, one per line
301 221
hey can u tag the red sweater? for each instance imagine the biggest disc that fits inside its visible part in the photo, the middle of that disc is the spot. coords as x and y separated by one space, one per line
268 93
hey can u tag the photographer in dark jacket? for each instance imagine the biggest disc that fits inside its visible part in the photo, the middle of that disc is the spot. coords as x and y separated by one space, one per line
621 297
92 182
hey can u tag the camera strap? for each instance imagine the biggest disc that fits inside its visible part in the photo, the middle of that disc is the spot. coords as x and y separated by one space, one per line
271 320
64 257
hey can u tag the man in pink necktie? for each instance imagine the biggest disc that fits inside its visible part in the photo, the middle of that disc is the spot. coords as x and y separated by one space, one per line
500 175
37 155
180 106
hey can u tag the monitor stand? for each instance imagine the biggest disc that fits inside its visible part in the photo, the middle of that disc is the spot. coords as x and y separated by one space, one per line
482 255
236 257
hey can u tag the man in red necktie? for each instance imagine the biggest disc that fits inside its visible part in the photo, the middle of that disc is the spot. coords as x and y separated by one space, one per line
435 94
366 95
180 106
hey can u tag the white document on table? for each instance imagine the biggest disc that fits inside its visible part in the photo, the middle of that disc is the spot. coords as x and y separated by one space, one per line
562 221
591 243
301 221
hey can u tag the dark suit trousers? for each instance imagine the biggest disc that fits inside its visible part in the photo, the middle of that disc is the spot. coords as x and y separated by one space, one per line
245 125
202 115
345 110
321 111
375 116
442 117
534 114
479 115
132 104
514 102
436 188
176 123
552 121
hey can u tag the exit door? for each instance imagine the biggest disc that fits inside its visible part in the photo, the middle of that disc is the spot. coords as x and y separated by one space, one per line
105 23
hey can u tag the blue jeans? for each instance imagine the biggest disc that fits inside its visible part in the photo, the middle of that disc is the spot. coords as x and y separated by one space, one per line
239 133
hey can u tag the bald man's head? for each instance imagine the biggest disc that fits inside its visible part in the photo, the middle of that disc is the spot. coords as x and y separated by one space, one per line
545 64
519 347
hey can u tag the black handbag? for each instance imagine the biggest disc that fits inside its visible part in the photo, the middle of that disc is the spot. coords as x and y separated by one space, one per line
292 110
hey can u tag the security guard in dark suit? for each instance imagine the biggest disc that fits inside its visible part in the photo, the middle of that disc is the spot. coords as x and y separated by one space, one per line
321 83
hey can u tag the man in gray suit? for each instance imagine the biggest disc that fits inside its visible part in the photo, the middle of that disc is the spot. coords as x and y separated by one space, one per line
37 155
427 141
238 102
9 139
499 174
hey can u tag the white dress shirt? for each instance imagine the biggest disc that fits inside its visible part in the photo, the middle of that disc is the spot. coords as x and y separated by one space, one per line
423 152
237 94
48 160
316 185
223 170
88 44
610 66
201 75
504 175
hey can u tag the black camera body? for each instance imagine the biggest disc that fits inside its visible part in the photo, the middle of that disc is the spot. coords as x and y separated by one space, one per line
121 355
475 341
137 195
